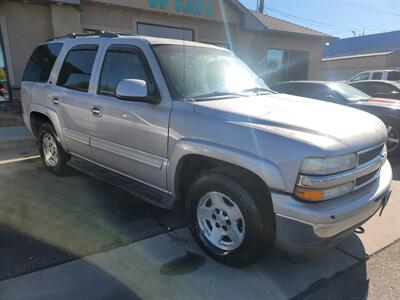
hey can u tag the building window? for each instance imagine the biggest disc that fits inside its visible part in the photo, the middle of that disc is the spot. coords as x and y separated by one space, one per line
165 31
4 83
286 65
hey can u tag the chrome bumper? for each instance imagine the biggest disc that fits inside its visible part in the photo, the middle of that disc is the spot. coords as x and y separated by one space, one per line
332 217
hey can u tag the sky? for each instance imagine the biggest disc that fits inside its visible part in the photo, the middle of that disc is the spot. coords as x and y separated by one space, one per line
339 18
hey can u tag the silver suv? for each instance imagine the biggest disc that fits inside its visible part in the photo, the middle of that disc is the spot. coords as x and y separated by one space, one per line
190 123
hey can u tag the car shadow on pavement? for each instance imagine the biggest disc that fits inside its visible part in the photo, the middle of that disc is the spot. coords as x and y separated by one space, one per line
31 255
355 288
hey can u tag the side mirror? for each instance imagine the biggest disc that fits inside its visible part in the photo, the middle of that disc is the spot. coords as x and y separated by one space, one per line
134 90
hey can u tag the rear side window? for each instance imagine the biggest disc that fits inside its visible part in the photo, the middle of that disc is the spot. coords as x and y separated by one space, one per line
77 68
393 75
41 62
377 75
120 62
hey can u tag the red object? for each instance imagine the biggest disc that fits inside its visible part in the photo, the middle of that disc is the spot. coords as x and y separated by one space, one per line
3 90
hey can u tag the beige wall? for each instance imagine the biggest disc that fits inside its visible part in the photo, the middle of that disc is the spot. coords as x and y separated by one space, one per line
27 25
252 47
65 19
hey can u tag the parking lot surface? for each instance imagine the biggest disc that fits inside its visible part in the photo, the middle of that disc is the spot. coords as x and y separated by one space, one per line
74 237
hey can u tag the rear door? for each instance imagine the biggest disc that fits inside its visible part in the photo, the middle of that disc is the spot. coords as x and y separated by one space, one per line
130 137
71 95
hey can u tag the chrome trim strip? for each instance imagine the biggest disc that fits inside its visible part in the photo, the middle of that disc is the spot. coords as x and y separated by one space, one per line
140 156
341 178
121 173
76 136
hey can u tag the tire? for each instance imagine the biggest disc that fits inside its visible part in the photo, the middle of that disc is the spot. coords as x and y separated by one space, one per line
52 153
252 229
393 142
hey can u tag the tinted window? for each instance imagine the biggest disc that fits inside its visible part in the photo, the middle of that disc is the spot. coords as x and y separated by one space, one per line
77 68
393 75
384 88
41 63
120 62
377 75
363 76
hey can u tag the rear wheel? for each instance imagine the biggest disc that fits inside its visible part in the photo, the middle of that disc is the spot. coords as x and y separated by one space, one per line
53 155
230 223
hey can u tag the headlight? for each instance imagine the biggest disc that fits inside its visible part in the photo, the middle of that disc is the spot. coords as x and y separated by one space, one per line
329 165
316 195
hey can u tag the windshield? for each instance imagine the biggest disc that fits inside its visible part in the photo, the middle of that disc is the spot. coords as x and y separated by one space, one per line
202 72
348 92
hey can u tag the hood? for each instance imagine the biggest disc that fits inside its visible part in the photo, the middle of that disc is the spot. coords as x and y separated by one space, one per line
334 128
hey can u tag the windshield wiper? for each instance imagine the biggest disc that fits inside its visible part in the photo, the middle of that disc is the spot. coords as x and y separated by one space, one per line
217 95
259 91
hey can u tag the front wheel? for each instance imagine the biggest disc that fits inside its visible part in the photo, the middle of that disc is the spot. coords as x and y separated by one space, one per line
53 155
229 222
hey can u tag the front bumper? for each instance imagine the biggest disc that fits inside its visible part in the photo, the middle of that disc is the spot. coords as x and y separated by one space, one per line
303 227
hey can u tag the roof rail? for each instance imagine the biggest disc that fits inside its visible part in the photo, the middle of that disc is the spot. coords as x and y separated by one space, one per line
74 35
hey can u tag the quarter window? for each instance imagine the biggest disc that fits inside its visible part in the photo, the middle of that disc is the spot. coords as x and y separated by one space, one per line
41 62
120 62
393 75
77 68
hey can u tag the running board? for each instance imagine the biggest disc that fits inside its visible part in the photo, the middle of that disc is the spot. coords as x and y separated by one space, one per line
131 186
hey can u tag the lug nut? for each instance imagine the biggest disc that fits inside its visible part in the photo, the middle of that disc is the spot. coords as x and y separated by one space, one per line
224 227
214 216
218 211
224 214
217 225
228 222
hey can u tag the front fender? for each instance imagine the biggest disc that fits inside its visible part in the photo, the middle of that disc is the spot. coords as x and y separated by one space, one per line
266 170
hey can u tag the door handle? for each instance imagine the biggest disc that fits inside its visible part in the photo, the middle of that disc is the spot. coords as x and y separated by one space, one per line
55 100
97 111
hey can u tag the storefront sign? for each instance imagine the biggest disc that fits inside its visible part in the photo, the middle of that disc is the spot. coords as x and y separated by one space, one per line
202 8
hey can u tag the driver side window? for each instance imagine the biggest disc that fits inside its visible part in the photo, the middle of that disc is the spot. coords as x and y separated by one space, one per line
120 62
362 76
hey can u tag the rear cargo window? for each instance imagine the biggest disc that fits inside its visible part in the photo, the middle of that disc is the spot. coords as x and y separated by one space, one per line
41 62
393 75
77 68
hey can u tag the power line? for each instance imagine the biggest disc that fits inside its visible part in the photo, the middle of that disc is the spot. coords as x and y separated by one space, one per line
370 9
331 26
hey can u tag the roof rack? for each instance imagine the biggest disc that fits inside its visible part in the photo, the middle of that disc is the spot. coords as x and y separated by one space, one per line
74 35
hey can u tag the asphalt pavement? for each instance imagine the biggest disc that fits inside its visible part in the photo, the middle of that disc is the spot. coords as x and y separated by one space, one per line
74 237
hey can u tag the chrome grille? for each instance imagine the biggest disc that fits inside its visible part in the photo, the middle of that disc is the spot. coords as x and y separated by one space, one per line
368 155
366 178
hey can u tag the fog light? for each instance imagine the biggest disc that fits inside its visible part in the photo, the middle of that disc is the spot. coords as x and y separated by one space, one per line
316 195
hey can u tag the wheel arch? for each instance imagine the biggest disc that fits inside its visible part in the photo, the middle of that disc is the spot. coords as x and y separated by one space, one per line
39 114
198 156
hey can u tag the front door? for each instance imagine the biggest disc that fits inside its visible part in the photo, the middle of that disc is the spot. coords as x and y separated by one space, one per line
130 137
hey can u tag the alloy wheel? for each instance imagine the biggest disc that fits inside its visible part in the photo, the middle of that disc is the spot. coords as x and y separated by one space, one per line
50 150
393 140
221 221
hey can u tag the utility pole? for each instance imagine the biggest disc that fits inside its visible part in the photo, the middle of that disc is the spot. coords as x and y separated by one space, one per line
260 7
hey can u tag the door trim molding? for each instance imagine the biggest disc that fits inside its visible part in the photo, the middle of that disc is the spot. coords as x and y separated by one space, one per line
77 136
137 155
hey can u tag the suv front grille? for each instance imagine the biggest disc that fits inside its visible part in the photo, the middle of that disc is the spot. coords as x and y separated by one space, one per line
364 157
366 178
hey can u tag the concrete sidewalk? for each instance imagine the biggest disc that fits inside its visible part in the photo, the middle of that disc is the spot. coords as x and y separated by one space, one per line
15 137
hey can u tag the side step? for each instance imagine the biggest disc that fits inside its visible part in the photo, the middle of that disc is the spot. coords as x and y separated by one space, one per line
131 186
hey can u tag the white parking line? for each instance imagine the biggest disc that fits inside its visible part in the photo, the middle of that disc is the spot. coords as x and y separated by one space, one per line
14 160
